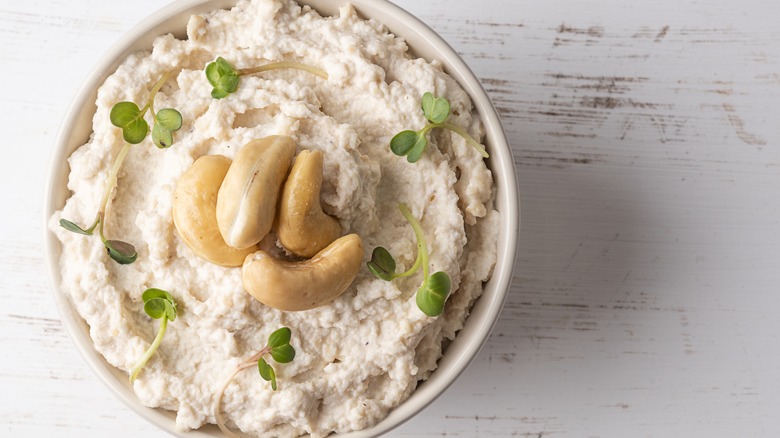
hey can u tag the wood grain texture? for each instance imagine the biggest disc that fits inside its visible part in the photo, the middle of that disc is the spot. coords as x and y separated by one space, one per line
644 302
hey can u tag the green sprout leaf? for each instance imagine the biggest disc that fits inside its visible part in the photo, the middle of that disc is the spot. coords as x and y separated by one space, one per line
158 304
419 147
266 372
283 353
169 119
409 143
155 308
435 109
403 142
70 226
170 310
433 293
228 83
212 71
217 93
122 252
161 137
152 293
223 77
124 113
382 264
128 116
280 337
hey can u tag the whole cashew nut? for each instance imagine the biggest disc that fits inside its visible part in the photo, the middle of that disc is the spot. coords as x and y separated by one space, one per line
194 211
304 229
293 286
246 204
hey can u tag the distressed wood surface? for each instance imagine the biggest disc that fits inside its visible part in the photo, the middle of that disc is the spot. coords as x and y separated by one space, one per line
645 296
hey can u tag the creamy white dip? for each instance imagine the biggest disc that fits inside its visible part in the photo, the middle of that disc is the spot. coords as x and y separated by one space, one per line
357 357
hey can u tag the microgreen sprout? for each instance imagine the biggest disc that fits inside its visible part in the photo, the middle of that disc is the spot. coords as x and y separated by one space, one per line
158 304
281 351
130 118
224 78
436 110
434 289
122 252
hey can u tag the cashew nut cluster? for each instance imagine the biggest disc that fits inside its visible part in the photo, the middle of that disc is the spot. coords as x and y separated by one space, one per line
223 210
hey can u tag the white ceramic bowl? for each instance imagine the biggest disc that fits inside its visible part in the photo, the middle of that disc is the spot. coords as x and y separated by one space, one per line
424 43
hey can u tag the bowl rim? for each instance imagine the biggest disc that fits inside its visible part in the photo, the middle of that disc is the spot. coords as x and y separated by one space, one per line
483 315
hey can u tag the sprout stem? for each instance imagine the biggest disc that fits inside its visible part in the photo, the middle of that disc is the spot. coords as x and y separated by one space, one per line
218 402
428 127
462 132
278 65
246 363
422 248
153 94
99 221
152 348
110 184
112 177
414 267
95 223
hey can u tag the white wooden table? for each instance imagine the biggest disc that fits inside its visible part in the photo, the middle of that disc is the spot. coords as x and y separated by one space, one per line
647 288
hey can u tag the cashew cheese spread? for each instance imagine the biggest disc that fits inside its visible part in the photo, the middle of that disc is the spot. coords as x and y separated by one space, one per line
357 357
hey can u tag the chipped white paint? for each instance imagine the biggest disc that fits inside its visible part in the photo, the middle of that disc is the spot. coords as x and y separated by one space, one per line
646 291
